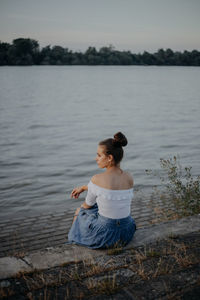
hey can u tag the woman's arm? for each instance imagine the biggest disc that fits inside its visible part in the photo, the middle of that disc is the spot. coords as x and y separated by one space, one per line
90 198
76 193
86 206
78 190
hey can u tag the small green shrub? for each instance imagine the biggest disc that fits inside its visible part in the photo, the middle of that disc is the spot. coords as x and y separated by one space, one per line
181 187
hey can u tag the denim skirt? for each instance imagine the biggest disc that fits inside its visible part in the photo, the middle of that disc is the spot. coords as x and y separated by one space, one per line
94 231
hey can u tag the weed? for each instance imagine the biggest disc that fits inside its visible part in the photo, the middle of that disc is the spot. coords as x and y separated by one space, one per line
153 253
162 268
173 236
142 273
114 251
94 270
5 293
182 190
182 258
140 256
76 276
106 286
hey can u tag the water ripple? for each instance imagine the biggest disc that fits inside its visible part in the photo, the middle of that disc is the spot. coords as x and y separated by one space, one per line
50 131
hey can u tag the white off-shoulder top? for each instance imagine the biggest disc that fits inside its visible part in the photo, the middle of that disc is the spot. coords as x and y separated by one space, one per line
114 204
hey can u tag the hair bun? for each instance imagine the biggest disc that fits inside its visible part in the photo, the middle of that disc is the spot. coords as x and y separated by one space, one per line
120 140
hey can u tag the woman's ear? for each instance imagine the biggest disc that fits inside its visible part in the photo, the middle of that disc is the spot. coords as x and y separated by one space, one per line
110 158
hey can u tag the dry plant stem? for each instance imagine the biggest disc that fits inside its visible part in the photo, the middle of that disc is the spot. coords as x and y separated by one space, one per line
146 265
182 193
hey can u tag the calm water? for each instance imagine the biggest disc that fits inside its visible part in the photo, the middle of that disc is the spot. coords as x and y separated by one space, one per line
51 119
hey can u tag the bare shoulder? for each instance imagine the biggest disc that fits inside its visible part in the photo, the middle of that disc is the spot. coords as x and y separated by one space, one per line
114 181
96 178
129 178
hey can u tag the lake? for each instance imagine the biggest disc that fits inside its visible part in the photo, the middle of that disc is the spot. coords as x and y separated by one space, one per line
52 118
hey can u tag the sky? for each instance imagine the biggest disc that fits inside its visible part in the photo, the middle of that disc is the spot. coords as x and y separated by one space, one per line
135 25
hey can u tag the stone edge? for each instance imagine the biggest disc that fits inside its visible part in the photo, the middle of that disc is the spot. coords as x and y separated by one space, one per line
56 256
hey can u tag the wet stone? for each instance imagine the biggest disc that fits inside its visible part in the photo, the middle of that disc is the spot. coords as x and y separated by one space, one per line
19 232
4 283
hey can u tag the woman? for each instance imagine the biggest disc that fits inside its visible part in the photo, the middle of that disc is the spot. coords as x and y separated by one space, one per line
104 220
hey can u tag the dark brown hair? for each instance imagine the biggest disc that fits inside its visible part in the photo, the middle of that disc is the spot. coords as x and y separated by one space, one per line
114 146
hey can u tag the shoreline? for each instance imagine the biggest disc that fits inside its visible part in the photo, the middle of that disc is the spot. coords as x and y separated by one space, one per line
161 261
67 205
18 235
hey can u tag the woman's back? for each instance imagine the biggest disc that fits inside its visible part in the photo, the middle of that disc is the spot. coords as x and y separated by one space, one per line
104 218
117 180
112 203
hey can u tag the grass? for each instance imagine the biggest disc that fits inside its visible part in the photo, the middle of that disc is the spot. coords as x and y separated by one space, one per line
180 192
6 292
88 278
153 253
106 286
172 236
115 251
94 277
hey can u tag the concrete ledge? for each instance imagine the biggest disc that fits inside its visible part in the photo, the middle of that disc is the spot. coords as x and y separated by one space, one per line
10 266
52 257
163 230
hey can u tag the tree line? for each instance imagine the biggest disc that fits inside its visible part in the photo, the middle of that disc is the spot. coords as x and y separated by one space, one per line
26 51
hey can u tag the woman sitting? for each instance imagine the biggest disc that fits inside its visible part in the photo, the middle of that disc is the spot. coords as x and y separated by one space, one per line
104 220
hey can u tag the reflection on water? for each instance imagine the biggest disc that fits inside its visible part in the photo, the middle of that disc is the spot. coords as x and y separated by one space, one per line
51 119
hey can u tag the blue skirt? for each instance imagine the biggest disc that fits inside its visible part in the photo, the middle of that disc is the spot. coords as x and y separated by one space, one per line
94 231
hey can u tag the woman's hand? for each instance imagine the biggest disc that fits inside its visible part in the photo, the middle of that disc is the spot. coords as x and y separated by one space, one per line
77 191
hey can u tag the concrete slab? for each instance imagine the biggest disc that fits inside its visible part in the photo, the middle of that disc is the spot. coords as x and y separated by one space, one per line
52 257
163 230
10 266
64 254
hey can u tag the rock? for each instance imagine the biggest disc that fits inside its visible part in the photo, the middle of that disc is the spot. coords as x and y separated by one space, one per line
4 284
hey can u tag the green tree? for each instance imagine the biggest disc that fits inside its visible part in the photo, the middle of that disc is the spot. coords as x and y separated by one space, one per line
136 59
113 59
169 57
148 59
160 57
92 57
91 51
195 58
45 55
4 47
56 55
125 58
105 53
178 58
24 51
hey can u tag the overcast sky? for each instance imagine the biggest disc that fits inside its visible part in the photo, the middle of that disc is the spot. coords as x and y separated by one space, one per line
134 25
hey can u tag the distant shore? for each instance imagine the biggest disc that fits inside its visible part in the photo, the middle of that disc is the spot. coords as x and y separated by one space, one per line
26 51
